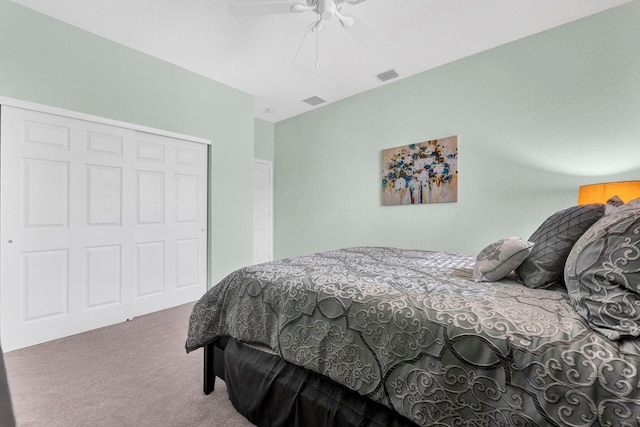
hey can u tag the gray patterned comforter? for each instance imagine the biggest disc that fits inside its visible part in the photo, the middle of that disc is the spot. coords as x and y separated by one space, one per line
409 329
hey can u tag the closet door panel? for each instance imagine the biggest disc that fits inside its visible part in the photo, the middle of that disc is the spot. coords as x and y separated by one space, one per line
99 223
104 196
103 282
150 197
45 281
45 193
171 199
61 226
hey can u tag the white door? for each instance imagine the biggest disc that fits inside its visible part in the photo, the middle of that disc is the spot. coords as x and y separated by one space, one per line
76 252
262 211
170 217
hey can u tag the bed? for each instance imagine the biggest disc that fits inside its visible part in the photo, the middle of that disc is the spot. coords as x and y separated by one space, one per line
529 332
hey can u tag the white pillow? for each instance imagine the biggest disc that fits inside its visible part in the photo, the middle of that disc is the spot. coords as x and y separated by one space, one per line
500 258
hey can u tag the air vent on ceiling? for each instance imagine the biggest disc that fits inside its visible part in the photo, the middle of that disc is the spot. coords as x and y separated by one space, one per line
314 100
387 75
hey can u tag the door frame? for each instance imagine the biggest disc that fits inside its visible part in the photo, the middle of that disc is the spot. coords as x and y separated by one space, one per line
41 108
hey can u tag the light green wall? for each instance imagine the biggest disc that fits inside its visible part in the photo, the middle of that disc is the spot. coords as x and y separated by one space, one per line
45 61
264 134
535 118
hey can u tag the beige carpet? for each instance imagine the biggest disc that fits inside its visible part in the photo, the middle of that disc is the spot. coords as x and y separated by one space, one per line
131 374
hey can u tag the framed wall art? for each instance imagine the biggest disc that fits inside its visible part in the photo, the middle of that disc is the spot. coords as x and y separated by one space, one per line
422 173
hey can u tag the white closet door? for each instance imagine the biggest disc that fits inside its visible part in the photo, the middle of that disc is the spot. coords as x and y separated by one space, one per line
262 211
170 219
73 254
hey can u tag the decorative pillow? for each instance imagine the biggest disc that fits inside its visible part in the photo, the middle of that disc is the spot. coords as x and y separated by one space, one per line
500 258
602 274
553 240
612 205
615 201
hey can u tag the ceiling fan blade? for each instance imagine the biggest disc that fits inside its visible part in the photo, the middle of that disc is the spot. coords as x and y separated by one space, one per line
363 32
250 8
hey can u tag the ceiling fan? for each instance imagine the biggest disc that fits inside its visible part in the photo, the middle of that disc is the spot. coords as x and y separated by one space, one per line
325 10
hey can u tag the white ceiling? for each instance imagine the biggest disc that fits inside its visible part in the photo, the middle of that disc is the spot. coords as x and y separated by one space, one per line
256 53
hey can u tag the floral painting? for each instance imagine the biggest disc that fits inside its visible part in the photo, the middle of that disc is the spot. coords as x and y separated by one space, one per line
426 172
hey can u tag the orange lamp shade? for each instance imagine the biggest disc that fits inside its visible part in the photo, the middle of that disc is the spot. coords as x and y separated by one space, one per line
600 193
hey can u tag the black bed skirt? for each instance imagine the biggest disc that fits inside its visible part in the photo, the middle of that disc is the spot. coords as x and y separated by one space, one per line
270 392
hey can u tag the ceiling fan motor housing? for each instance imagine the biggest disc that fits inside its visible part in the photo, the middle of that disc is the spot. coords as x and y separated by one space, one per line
327 9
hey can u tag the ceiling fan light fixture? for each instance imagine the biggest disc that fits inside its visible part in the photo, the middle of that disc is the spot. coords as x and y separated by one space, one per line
345 20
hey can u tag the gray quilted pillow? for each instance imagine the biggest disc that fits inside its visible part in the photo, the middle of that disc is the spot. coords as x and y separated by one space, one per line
602 274
500 258
553 240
